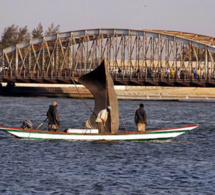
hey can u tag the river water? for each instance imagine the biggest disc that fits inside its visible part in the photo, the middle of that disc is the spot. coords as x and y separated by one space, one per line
184 165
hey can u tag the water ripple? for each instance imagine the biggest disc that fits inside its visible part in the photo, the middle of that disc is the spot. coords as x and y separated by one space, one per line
184 165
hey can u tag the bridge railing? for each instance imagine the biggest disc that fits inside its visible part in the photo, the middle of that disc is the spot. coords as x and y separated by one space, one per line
160 76
137 78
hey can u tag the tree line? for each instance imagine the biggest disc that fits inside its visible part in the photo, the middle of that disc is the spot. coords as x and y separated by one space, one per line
15 34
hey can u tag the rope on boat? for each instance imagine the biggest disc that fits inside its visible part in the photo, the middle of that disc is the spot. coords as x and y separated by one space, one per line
83 98
123 121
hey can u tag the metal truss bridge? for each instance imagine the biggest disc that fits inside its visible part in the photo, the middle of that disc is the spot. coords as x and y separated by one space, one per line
134 57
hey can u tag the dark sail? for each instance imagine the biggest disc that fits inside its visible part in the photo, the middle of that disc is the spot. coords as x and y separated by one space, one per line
100 84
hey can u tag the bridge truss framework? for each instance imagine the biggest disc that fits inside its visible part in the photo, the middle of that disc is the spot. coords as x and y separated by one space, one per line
140 57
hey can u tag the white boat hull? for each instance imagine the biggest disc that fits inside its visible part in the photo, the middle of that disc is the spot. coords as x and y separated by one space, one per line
162 134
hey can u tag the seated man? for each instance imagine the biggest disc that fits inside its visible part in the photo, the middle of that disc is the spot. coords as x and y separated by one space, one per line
27 124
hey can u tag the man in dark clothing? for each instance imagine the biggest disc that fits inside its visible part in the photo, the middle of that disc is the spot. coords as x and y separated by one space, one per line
140 118
53 117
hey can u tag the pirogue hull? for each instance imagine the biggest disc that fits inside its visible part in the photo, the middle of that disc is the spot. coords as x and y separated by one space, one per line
162 134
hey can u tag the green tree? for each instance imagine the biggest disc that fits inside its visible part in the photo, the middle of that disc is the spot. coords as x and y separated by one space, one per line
23 35
52 29
38 31
13 35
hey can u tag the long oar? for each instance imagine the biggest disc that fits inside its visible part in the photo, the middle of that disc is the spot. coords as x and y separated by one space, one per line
41 124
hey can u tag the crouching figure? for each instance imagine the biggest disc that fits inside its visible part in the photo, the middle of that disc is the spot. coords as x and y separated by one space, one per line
27 124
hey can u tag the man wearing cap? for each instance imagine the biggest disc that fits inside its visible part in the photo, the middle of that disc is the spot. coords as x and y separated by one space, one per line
53 117
102 118
140 118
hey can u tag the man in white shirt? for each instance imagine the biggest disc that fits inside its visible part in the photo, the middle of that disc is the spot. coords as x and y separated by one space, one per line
102 118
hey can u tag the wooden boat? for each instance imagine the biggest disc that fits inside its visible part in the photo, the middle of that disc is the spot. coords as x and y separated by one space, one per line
162 134
100 84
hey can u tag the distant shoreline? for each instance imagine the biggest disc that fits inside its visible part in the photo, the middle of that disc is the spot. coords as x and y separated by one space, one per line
123 92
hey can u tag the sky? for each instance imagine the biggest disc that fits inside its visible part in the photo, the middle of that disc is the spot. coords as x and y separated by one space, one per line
194 16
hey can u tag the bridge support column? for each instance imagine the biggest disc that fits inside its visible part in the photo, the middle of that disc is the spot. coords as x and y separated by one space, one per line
17 60
206 62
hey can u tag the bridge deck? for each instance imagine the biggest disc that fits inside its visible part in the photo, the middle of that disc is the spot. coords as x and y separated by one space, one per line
118 80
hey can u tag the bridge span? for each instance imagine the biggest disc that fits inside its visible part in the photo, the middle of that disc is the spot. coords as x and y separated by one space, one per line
134 57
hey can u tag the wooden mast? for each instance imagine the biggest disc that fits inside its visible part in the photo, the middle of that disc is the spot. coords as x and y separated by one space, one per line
108 96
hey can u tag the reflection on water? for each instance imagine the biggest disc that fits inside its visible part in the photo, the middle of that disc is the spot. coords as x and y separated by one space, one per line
184 165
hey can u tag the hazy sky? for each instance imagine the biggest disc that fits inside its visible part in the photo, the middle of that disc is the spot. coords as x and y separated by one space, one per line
196 16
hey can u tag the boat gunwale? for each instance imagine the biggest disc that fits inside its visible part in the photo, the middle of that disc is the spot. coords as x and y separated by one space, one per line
118 133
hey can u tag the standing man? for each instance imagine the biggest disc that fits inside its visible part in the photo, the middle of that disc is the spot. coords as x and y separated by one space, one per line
53 117
140 118
102 118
